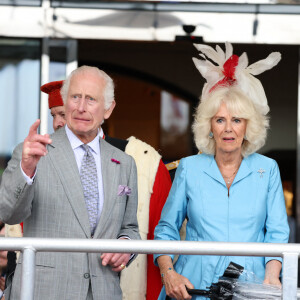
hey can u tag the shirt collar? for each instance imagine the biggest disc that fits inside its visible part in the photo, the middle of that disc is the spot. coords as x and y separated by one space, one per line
101 133
76 142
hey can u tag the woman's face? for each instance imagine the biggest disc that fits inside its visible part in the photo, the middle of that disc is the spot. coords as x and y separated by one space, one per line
228 130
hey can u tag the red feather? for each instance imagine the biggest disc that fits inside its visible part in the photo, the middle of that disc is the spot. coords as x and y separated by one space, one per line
228 71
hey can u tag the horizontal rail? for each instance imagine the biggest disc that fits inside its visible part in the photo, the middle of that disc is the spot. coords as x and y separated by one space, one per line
147 247
29 247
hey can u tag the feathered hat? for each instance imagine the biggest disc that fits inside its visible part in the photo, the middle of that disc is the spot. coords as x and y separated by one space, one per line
230 69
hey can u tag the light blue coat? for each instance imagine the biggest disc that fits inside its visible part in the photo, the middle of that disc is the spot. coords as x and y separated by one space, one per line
254 211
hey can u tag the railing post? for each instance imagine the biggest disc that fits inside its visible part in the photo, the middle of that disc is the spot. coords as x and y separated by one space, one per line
289 276
28 274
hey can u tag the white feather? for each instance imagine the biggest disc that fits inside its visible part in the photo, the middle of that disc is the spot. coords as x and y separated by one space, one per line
210 53
228 50
265 64
209 71
221 53
242 64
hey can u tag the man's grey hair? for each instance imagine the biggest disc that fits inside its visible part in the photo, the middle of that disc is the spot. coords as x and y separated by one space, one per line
108 92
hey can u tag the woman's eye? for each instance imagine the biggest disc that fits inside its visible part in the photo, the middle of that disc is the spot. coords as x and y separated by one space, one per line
237 121
219 120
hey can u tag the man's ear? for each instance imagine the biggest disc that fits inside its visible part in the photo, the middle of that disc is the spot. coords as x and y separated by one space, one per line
109 110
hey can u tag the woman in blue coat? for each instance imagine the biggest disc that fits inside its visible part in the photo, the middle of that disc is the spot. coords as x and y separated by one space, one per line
228 193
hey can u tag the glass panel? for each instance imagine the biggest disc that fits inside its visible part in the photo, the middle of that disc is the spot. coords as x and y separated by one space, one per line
19 85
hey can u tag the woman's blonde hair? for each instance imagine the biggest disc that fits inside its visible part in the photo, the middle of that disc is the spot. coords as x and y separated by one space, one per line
240 106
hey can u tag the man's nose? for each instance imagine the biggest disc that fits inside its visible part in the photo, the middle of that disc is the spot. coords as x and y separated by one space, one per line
82 105
61 122
58 123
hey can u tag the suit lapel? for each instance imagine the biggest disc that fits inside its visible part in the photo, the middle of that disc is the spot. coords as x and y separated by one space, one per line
62 157
110 174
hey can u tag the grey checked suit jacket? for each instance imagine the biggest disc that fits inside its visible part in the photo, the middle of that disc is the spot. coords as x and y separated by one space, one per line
54 207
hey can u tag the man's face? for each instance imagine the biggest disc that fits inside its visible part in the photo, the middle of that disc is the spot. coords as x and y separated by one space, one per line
58 114
85 105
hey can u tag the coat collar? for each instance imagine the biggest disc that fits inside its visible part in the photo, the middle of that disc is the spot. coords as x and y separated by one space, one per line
213 171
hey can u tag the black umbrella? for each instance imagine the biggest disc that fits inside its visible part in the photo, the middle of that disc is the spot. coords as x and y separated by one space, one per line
224 288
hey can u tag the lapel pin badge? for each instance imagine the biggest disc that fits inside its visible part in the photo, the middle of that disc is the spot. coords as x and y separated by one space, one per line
261 172
115 161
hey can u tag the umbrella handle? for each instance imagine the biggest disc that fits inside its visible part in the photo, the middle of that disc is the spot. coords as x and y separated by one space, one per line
194 292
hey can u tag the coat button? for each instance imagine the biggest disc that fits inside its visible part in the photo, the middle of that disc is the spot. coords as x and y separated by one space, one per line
86 275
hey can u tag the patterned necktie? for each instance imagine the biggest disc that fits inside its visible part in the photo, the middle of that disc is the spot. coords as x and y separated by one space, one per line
89 180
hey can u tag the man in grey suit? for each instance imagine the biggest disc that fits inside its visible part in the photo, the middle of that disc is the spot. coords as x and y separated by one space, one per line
44 186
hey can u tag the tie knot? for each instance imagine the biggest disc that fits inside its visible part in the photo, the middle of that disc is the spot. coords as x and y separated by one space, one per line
86 148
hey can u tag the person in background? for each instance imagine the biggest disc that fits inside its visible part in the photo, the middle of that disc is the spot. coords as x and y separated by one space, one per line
3 263
229 193
55 102
73 185
154 184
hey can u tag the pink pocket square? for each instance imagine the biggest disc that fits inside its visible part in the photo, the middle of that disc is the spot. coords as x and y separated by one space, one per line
124 190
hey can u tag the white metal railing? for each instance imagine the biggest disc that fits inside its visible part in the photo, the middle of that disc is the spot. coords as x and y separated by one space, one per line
29 247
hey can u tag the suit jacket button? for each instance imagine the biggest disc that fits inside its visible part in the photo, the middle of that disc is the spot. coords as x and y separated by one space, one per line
86 275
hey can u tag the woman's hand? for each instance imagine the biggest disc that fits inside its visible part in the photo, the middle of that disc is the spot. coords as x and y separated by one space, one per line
175 284
272 273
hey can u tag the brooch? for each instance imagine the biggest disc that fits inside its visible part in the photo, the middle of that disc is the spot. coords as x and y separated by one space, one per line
261 172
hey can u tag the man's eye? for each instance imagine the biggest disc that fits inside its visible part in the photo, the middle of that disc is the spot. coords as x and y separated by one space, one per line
90 99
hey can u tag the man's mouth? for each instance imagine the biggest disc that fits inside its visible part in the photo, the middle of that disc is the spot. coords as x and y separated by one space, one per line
81 119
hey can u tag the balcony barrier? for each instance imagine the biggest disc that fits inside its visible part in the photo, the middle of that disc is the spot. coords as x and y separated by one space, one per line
29 247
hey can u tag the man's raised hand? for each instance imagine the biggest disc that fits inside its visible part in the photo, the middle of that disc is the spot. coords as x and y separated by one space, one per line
34 147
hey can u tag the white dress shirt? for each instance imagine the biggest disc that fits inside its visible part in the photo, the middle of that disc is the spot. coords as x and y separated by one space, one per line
79 153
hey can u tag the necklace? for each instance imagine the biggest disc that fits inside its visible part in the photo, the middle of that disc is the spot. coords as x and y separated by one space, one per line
228 178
